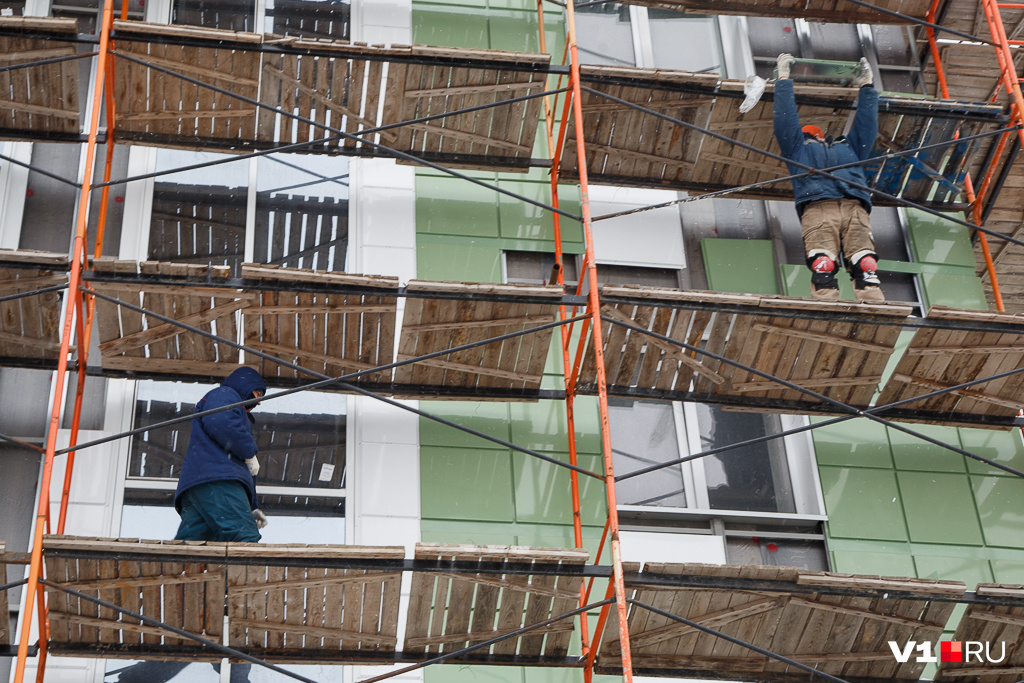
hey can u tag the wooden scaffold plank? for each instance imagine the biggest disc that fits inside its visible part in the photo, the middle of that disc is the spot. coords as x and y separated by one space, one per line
845 636
449 611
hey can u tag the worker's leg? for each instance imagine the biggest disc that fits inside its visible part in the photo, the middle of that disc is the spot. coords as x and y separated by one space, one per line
820 227
224 509
859 250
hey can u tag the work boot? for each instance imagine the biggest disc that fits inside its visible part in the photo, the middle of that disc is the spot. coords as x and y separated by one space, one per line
866 285
823 278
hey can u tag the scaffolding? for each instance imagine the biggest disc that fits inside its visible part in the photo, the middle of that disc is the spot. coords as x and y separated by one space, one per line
614 341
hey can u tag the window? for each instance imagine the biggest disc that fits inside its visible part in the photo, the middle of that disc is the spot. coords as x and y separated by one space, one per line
302 441
328 19
299 216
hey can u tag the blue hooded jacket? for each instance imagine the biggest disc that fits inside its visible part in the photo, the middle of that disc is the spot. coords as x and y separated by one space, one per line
797 146
222 441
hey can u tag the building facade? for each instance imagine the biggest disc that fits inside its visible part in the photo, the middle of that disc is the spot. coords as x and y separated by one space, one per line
856 497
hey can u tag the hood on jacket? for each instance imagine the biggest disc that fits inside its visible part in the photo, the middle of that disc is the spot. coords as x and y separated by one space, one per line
245 381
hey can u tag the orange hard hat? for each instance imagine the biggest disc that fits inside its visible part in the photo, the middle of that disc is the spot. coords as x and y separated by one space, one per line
813 130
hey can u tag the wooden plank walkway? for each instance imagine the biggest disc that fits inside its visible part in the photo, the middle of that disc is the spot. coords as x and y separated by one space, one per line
334 323
842 359
629 147
30 326
351 87
340 604
938 359
845 636
39 101
1000 627
834 11
435 324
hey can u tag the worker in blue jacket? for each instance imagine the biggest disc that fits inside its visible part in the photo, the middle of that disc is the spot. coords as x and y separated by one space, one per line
216 495
834 215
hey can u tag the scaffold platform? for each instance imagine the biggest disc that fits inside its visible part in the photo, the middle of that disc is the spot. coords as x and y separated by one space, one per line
836 11
340 604
490 342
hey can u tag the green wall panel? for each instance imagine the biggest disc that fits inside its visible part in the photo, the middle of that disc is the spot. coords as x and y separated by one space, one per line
521 220
970 571
457 259
466 483
854 443
862 503
911 453
543 491
735 265
450 206
1001 509
485 416
883 564
449 25
1008 571
1005 448
960 290
542 425
936 240
940 508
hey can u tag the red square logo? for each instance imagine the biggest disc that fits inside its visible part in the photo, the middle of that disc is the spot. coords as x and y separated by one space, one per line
951 651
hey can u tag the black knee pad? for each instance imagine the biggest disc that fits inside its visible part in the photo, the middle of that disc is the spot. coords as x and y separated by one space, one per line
823 280
863 278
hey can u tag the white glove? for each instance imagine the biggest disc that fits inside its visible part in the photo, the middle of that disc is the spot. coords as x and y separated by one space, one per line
784 62
259 517
864 75
254 465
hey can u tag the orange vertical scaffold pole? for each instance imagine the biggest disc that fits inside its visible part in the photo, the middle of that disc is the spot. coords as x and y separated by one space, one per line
974 199
566 334
88 301
594 310
74 299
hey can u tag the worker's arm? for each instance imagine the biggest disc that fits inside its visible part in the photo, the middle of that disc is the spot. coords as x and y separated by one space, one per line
865 123
229 428
786 119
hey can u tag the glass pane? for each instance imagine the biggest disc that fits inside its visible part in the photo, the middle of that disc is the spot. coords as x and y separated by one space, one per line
232 15
309 18
301 437
302 211
690 43
198 216
749 478
604 35
644 434
12 9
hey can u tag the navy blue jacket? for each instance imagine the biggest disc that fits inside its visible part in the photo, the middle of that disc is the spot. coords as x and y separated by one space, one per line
222 441
805 149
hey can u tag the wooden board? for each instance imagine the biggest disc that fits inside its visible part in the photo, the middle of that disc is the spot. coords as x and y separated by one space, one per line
185 595
40 100
835 11
845 636
627 146
332 333
999 627
297 612
938 359
332 91
449 612
30 325
838 359
433 324
140 342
